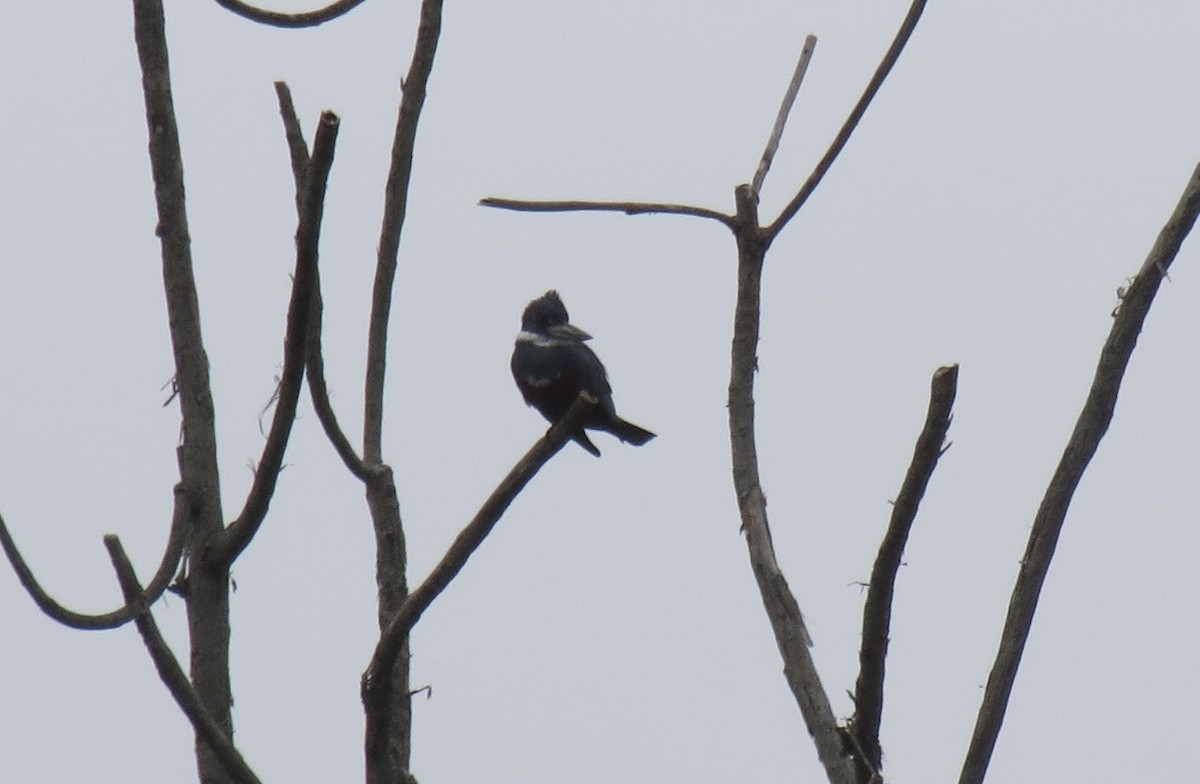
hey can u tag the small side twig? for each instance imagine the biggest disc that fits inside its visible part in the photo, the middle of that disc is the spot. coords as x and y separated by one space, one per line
170 672
877 612
785 109
1090 428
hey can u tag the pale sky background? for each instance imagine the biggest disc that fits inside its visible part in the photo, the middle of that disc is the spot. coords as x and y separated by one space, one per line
1016 167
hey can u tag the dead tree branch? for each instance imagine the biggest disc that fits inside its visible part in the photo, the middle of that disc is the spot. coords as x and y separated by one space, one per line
170 672
377 685
783 611
280 19
881 73
1090 428
308 234
627 207
315 358
785 108
877 612
123 614
395 208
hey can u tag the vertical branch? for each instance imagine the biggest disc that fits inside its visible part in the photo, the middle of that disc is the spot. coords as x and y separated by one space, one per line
394 209
208 584
1091 426
382 499
877 612
783 611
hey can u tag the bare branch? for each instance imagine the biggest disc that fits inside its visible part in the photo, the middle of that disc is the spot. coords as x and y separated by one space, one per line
199 464
280 19
877 613
169 670
122 615
1093 422
315 359
394 210
783 611
294 133
789 98
207 584
308 234
627 207
377 686
889 59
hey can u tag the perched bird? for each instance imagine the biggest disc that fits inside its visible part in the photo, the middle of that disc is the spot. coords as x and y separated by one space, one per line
552 366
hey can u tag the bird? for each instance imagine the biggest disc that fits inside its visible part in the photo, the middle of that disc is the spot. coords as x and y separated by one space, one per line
552 366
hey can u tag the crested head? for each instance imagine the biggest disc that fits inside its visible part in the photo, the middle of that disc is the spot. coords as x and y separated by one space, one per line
544 312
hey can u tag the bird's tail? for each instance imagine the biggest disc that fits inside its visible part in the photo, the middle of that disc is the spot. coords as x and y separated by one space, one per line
631 433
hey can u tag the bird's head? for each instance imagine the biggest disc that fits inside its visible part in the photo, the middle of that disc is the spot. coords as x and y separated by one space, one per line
545 320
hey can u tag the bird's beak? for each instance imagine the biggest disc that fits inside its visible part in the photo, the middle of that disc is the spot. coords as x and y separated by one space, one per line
569 332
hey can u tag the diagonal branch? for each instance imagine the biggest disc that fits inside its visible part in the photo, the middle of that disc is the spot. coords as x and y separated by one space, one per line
280 19
785 108
395 208
122 615
627 207
377 686
239 533
885 66
169 670
1093 422
877 613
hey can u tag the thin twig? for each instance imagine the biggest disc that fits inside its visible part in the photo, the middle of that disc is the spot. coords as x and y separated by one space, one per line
377 686
877 612
1093 422
885 66
241 531
171 673
122 615
785 108
280 19
627 207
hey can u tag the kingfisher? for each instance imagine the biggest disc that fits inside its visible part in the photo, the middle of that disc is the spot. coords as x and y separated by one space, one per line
552 366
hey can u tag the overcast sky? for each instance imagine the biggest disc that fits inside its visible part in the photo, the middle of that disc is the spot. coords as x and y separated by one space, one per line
1015 168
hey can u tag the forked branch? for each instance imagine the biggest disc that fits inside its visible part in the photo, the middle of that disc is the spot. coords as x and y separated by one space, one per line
1091 426
239 533
881 73
170 672
377 685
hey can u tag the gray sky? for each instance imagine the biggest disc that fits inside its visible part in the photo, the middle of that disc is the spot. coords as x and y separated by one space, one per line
1014 170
